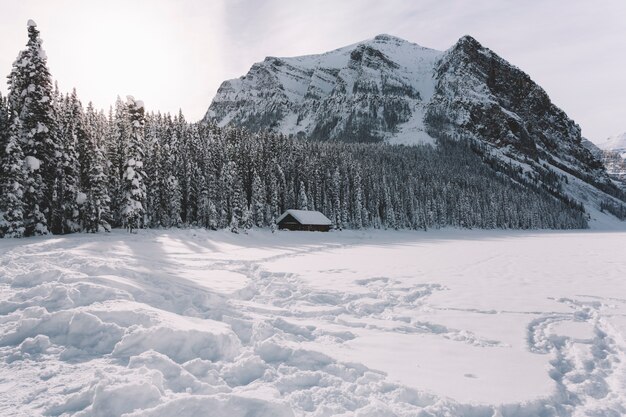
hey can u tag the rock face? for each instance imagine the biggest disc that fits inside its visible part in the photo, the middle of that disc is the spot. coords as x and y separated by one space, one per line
388 89
371 91
480 95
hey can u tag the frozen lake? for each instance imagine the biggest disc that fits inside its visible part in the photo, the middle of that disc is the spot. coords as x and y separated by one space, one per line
372 323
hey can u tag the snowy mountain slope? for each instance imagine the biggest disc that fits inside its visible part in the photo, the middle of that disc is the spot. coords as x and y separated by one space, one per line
481 97
197 323
372 90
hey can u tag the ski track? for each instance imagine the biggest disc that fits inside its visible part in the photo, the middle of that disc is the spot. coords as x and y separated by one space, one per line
105 336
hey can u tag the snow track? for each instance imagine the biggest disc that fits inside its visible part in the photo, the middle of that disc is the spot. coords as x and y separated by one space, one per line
193 323
590 372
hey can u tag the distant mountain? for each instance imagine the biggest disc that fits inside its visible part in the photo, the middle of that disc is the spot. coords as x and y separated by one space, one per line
615 143
388 89
612 152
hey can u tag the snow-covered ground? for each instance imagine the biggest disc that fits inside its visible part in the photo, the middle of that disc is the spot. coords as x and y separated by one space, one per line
196 323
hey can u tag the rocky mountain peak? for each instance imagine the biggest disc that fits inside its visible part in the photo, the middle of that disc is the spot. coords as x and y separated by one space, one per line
370 91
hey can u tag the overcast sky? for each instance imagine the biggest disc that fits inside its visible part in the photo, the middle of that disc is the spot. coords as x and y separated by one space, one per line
175 53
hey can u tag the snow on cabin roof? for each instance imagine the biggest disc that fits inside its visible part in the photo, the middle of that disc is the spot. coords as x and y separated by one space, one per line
307 217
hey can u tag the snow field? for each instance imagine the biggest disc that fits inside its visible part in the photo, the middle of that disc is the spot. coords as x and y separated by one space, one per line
197 323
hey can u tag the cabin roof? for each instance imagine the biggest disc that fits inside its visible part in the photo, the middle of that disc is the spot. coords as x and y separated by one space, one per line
307 217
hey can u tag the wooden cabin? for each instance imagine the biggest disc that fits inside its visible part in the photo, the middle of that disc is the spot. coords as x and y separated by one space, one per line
308 220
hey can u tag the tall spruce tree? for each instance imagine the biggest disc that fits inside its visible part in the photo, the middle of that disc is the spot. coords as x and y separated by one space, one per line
134 192
258 201
117 152
97 215
31 100
69 197
303 201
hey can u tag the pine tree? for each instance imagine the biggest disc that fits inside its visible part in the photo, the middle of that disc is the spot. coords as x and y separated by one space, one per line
357 212
117 155
31 100
303 201
273 210
97 215
133 180
65 217
258 201
336 204
97 206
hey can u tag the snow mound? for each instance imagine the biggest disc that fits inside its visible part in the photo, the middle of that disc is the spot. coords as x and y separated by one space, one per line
180 345
79 333
120 399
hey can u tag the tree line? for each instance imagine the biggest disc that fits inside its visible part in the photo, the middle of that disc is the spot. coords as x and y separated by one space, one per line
66 168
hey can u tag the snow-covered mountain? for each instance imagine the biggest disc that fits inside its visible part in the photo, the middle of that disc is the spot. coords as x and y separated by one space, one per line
373 90
388 89
612 152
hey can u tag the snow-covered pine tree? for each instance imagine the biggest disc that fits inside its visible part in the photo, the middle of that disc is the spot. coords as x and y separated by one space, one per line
155 135
246 218
238 203
65 216
258 201
303 201
357 210
336 204
133 180
97 215
173 201
117 155
12 186
203 208
31 100
389 216
273 205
